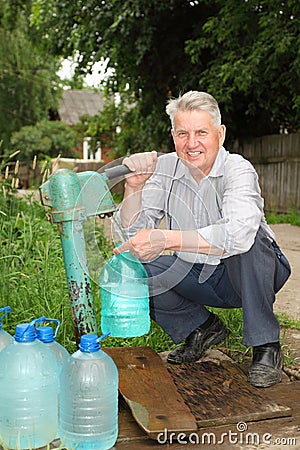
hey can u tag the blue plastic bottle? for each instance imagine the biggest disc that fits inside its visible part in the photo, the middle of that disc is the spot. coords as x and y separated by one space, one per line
124 297
28 394
89 398
5 338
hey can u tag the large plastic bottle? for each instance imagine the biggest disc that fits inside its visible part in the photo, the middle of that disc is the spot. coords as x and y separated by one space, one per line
5 338
124 297
46 334
28 394
89 398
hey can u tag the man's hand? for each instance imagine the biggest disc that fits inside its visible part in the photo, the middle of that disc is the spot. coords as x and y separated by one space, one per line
142 165
145 245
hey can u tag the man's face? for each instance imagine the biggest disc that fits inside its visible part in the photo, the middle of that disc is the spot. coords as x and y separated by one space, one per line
197 140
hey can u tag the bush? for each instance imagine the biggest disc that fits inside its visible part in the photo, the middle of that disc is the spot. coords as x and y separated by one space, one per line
45 139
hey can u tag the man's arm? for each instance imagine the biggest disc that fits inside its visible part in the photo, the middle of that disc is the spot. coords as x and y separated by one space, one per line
142 166
148 244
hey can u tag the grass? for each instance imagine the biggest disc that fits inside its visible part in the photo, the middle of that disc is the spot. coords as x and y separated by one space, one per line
292 217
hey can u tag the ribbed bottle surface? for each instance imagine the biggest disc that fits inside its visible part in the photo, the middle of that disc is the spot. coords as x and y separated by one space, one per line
89 402
28 395
124 297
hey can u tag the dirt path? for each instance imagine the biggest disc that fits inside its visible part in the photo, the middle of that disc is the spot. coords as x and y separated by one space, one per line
288 299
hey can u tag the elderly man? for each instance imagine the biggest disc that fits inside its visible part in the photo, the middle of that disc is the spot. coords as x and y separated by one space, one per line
224 254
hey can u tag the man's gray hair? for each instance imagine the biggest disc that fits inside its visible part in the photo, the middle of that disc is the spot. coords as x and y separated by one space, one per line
194 101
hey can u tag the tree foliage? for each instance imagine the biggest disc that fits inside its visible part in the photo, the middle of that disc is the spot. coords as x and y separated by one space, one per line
246 53
143 42
28 80
254 63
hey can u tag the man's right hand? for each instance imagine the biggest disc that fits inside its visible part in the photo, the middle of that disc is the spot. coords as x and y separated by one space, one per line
142 166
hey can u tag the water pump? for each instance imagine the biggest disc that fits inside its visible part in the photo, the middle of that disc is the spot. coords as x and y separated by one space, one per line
73 198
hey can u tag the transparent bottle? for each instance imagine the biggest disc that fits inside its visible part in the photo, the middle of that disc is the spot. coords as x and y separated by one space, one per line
124 297
46 334
5 338
28 394
89 398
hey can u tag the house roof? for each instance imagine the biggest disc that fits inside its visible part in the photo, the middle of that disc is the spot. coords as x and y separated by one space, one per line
76 103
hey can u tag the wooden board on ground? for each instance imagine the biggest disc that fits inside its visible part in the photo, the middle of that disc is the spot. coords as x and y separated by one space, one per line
149 391
218 394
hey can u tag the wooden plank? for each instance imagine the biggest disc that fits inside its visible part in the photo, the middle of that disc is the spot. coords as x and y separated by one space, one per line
150 393
218 393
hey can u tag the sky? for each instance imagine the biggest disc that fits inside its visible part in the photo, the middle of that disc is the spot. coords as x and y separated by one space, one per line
92 80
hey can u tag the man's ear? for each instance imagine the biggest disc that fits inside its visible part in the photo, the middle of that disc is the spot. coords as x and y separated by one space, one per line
222 135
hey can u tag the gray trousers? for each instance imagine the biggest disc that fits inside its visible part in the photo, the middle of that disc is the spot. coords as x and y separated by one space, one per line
179 291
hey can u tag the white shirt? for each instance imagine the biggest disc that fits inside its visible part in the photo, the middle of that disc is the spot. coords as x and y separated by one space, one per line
226 207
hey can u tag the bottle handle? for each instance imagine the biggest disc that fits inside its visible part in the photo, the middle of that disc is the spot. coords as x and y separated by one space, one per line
103 336
6 309
47 319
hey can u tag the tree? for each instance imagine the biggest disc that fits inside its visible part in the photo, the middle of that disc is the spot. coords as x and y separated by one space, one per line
254 64
143 42
29 86
234 49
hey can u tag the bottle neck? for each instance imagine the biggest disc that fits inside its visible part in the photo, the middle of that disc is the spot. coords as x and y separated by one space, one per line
45 334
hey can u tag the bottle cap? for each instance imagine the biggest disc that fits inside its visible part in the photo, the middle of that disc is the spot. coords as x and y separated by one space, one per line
45 334
25 332
89 343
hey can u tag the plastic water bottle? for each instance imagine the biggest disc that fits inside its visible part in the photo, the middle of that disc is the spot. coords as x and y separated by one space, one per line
89 398
124 297
5 338
28 394
46 334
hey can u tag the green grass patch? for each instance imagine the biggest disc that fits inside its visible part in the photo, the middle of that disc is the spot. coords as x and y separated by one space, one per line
292 217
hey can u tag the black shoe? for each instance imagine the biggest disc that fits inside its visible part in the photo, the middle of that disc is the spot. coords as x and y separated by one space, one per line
197 342
265 370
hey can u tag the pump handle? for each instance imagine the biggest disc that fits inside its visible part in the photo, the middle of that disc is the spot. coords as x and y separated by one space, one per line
117 171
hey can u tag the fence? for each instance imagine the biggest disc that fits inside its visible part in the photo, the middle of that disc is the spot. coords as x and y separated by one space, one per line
277 161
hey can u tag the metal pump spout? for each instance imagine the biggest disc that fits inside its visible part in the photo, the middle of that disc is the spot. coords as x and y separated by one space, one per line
72 198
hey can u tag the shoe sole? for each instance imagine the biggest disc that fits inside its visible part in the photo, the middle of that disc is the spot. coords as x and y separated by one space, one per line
214 340
268 381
